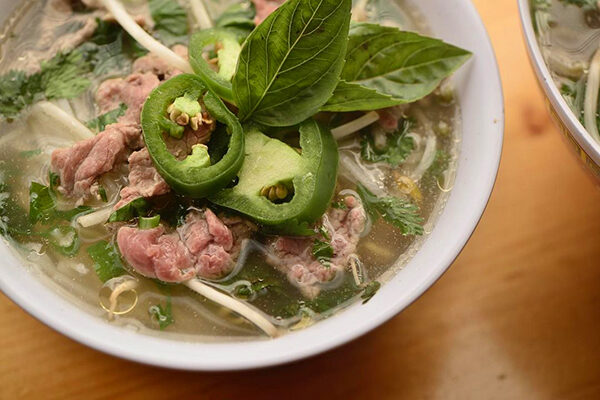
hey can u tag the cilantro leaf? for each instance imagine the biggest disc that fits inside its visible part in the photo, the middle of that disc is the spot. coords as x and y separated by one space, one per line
401 213
370 290
398 147
322 251
63 76
99 123
107 261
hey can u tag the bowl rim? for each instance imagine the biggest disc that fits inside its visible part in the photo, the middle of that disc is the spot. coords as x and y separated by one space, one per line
63 316
590 146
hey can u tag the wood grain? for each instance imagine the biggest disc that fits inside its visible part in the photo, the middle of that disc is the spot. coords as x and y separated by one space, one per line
517 316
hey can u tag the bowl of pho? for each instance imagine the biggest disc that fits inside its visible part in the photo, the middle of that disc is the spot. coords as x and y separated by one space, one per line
223 185
563 41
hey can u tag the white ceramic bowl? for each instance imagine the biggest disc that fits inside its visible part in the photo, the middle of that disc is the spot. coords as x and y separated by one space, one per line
480 96
587 149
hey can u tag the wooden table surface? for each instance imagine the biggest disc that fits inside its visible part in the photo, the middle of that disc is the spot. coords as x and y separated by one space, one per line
517 316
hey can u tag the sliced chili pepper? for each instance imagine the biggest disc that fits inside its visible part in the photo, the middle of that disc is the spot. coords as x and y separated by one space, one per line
194 176
227 56
283 188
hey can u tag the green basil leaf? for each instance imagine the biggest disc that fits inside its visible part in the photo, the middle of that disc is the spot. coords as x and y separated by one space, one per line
401 67
107 261
290 64
354 97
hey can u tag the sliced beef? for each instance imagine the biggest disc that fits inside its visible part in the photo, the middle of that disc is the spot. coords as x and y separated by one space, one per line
204 246
155 254
388 120
210 241
264 8
132 91
144 179
81 165
153 64
295 258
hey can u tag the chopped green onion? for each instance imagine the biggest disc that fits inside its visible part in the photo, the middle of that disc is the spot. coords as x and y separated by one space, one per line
149 222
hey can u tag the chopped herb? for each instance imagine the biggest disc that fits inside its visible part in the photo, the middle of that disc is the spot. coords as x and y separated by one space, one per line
107 261
42 206
102 193
150 222
399 212
67 75
370 290
99 123
64 75
163 315
30 153
137 208
54 180
340 205
324 232
170 21
322 251
398 147
12 214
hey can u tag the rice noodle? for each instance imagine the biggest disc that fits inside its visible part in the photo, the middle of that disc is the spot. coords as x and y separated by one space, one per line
354 126
427 159
237 306
370 177
140 35
52 115
590 107
201 14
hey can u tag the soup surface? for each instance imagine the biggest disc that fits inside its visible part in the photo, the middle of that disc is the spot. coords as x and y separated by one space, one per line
568 32
394 175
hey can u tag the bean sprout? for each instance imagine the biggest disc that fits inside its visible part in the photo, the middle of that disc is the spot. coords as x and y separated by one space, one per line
201 14
351 127
237 306
140 35
118 286
57 117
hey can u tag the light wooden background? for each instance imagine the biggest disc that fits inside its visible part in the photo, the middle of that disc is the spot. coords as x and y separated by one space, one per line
517 316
